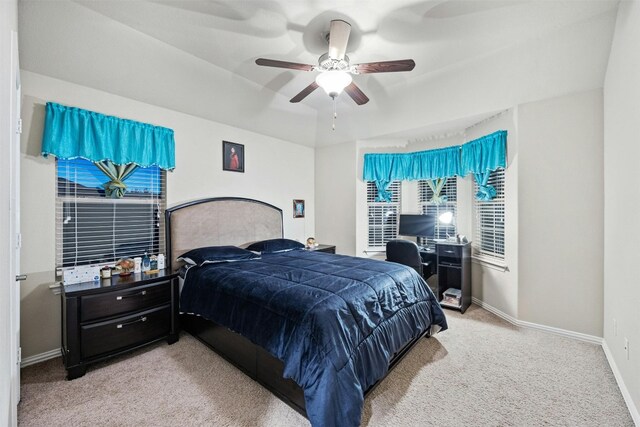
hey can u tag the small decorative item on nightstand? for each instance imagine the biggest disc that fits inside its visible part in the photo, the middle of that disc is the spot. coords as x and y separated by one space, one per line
137 264
126 266
105 272
311 242
146 262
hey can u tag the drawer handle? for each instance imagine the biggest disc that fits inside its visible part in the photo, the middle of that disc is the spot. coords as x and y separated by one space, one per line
142 319
449 252
139 294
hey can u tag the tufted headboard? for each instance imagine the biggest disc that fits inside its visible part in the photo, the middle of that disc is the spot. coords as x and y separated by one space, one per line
216 222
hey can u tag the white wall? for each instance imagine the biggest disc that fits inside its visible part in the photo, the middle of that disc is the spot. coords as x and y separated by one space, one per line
335 195
276 172
498 287
8 23
560 195
622 198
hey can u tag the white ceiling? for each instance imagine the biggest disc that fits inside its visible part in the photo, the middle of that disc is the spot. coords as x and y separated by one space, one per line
197 57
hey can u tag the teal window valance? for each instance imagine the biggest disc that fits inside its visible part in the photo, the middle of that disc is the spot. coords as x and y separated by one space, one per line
430 164
71 133
480 157
484 154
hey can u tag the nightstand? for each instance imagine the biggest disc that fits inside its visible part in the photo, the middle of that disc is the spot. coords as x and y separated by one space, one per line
331 249
113 316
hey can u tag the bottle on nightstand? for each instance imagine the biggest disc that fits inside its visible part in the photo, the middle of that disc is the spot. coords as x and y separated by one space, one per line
146 262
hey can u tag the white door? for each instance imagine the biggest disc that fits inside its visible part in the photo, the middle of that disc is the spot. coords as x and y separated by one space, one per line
14 208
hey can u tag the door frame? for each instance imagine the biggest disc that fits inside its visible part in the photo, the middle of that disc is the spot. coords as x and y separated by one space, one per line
14 227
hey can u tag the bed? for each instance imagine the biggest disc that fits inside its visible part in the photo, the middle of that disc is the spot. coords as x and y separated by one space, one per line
318 330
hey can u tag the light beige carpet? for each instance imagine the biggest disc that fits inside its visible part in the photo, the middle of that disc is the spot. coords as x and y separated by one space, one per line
481 372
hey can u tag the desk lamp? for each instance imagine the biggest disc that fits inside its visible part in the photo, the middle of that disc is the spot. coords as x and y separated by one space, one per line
446 218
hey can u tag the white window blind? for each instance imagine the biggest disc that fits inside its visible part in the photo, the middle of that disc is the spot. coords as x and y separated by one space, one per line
92 229
488 239
383 216
425 193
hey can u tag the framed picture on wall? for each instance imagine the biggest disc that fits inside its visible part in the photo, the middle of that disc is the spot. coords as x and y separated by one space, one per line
298 208
232 156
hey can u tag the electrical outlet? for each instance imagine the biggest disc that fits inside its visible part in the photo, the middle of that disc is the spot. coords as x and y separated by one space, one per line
615 328
626 347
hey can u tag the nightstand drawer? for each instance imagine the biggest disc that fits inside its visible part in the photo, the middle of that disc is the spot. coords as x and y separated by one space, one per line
125 301
112 335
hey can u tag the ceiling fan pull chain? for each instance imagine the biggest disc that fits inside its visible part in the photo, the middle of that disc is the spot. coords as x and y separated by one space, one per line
335 114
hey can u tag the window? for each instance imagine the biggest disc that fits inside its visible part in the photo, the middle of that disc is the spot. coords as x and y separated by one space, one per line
425 193
92 229
383 216
489 221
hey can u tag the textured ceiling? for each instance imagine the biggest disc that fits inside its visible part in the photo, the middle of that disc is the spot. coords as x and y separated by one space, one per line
197 57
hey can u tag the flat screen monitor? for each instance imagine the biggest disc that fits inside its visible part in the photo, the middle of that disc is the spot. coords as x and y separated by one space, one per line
417 225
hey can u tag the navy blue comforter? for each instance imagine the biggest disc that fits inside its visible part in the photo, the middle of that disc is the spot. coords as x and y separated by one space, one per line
335 321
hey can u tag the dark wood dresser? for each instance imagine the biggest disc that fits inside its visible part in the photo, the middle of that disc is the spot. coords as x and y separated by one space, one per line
107 318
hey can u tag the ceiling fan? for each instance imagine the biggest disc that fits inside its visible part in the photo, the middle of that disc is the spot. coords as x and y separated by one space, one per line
335 68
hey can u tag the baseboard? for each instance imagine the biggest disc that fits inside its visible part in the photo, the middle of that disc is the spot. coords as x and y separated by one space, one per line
37 358
529 325
592 339
633 410
495 311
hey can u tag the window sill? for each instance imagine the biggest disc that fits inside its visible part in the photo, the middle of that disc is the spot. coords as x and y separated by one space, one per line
374 251
56 288
374 254
493 264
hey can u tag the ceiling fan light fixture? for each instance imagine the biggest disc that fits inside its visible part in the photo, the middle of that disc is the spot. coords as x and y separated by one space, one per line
333 82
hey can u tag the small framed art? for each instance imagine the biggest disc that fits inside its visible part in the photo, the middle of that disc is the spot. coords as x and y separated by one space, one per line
298 208
232 156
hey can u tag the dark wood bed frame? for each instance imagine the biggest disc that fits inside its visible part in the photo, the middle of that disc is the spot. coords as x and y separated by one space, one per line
252 359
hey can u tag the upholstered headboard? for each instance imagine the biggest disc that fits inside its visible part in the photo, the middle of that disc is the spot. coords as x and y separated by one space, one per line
219 221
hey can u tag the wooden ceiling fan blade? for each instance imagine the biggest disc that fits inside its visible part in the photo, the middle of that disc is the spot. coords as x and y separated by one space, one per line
356 94
304 92
385 66
338 39
283 64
